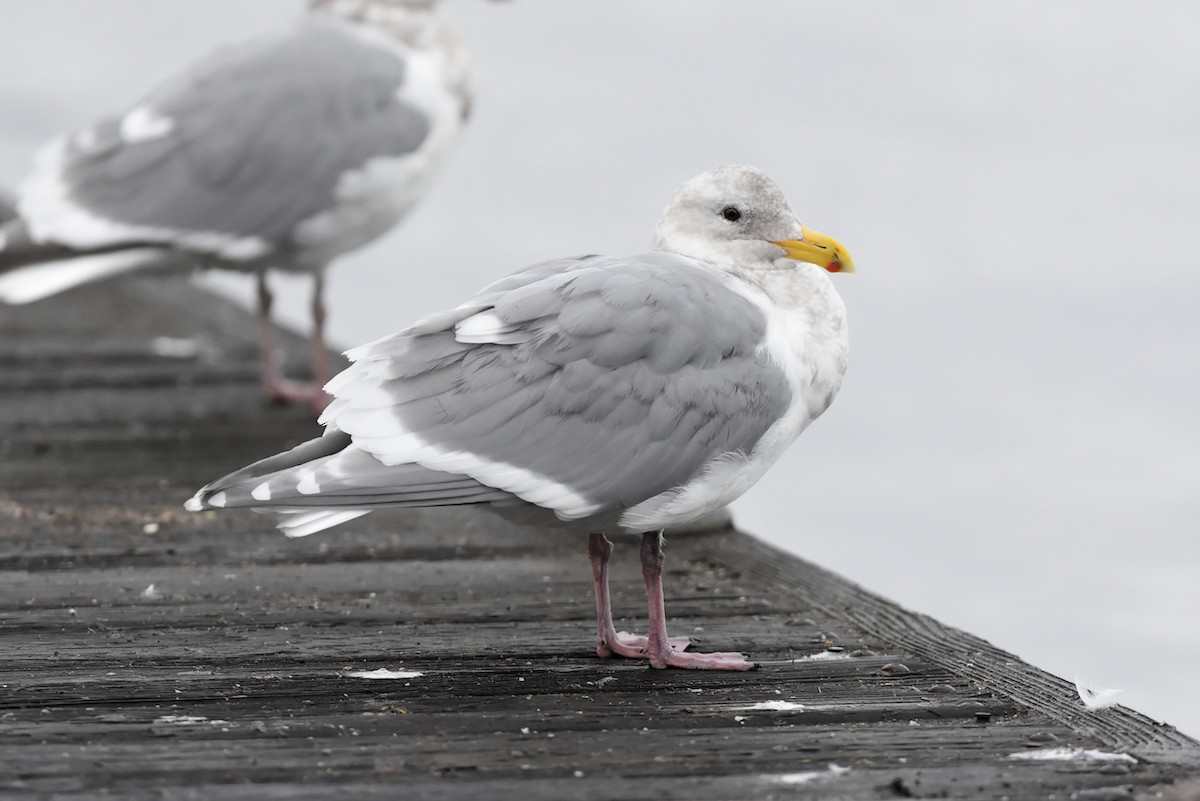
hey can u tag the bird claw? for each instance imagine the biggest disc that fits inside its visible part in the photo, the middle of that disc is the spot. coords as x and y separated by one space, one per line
713 661
634 646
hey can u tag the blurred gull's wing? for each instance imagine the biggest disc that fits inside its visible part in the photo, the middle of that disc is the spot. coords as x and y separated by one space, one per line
234 156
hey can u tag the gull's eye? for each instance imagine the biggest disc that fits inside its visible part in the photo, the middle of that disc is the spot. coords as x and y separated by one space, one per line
730 213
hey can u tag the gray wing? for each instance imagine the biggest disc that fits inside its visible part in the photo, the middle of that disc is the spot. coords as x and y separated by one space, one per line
583 386
258 138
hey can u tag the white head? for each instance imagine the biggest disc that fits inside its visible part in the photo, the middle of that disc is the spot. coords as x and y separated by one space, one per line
736 218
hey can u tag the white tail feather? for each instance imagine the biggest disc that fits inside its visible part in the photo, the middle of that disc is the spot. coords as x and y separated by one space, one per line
302 523
37 281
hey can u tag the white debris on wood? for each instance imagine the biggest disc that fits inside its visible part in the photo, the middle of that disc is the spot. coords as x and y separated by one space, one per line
810 775
773 706
175 347
823 656
1095 698
187 720
1067 754
384 673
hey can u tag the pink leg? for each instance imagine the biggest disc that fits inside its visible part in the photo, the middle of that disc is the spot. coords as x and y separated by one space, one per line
277 388
320 353
658 648
272 378
608 640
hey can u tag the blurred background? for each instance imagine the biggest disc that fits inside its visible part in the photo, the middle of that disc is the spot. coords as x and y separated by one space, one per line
1015 449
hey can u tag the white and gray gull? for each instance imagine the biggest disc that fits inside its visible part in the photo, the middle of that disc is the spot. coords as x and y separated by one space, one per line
280 153
592 395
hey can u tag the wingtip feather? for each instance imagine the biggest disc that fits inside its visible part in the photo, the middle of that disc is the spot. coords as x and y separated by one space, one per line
38 281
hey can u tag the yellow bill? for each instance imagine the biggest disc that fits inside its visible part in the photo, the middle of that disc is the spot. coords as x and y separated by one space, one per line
823 251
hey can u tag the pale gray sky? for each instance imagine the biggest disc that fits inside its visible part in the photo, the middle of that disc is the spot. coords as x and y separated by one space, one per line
1015 447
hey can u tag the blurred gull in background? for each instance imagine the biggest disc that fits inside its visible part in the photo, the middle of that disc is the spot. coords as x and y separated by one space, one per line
281 153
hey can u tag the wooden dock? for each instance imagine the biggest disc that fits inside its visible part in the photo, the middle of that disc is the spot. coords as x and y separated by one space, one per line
149 653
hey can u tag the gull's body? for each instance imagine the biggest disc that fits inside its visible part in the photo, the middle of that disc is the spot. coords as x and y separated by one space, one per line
594 394
280 153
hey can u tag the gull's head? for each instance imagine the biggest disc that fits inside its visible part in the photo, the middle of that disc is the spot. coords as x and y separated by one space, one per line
736 218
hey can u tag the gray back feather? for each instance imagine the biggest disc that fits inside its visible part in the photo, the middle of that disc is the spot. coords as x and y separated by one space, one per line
621 379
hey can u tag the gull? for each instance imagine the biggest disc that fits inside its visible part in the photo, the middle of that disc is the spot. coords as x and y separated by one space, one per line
591 395
279 153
